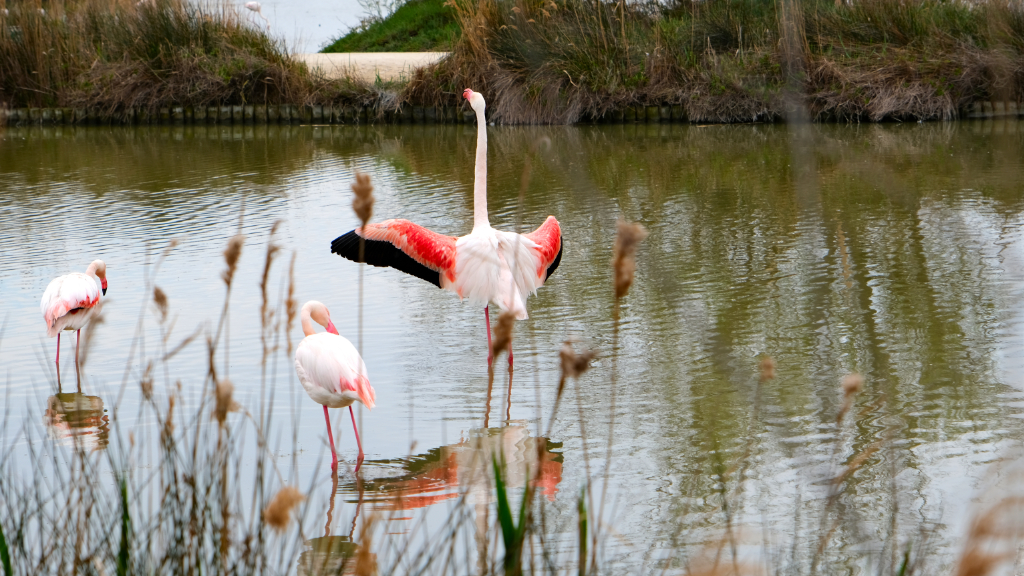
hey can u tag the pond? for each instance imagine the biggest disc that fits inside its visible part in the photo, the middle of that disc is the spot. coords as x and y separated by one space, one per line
890 251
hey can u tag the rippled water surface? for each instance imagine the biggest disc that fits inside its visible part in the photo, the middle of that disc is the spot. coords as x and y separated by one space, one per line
894 251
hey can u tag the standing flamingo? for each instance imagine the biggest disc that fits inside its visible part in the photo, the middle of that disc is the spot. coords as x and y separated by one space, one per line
485 266
69 301
331 371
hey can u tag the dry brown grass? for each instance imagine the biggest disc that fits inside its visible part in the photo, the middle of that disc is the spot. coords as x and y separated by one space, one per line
540 61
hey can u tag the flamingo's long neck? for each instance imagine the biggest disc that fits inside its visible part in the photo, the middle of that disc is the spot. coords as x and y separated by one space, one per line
480 180
307 320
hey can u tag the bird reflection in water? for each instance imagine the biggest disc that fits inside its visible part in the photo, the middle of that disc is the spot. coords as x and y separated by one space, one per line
330 554
447 472
77 417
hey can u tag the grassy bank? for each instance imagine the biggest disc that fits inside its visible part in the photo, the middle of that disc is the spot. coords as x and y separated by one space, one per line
120 54
543 61
417 26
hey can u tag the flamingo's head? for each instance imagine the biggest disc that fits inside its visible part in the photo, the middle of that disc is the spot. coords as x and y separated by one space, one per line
476 100
98 268
318 313
254 6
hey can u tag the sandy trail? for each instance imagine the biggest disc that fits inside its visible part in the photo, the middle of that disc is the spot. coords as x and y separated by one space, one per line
369 65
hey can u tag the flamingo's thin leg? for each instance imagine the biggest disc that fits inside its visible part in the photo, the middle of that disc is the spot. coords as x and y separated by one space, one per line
78 373
330 436
358 443
58 362
487 318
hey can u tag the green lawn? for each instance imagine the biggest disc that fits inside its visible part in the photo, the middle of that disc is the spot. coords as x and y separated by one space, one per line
418 26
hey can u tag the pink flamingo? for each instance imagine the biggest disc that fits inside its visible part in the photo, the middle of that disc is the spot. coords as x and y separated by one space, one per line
69 301
485 266
331 371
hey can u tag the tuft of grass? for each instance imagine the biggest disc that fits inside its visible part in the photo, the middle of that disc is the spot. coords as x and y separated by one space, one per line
124 549
513 533
117 55
417 26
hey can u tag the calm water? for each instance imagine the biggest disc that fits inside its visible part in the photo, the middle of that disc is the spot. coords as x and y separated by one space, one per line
894 251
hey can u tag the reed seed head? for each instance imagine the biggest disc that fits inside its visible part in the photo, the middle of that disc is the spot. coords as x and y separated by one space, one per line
363 202
503 333
160 299
573 364
146 383
852 384
224 391
168 432
767 368
629 235
231 255
279 512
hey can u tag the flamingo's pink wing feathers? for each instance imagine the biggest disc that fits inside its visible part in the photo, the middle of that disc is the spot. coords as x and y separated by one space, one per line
549 245
433 250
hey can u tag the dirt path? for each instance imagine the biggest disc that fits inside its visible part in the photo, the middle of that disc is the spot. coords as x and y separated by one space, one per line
368 65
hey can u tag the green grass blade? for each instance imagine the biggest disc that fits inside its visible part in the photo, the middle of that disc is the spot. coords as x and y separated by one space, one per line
123 558
508 527
5 556
582 508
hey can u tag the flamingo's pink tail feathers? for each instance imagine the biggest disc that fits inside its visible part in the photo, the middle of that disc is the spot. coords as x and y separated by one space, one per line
54 313
366 392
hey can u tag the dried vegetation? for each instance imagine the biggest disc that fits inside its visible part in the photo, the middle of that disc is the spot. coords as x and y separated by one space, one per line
548 61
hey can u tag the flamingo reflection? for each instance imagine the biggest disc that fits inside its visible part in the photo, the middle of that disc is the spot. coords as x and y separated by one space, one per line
331 554
77 417
465 467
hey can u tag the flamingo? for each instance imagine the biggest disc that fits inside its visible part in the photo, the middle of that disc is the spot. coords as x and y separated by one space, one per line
69 301
258 9
331 371
486 266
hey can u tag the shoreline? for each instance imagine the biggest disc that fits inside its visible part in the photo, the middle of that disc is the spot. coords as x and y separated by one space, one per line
319 114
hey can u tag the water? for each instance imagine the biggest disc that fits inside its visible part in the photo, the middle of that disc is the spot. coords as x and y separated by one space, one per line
893 251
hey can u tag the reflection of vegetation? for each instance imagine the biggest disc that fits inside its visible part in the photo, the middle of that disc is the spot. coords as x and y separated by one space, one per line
328 555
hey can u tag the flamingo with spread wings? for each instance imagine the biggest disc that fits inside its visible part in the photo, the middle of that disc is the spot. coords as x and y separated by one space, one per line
486 266
69 301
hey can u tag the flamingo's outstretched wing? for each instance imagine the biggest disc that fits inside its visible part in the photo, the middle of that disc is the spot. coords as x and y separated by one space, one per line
549 243
404 246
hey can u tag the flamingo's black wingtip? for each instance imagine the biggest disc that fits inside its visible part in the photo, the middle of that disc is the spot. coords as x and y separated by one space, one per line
346 245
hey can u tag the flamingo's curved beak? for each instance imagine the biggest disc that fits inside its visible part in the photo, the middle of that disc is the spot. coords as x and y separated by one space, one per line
332 329
103 286
467 93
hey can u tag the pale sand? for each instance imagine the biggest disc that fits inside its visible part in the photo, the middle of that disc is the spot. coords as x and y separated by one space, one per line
368 65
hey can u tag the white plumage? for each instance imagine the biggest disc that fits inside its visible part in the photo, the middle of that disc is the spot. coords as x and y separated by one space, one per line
68 302
496 266
331 371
